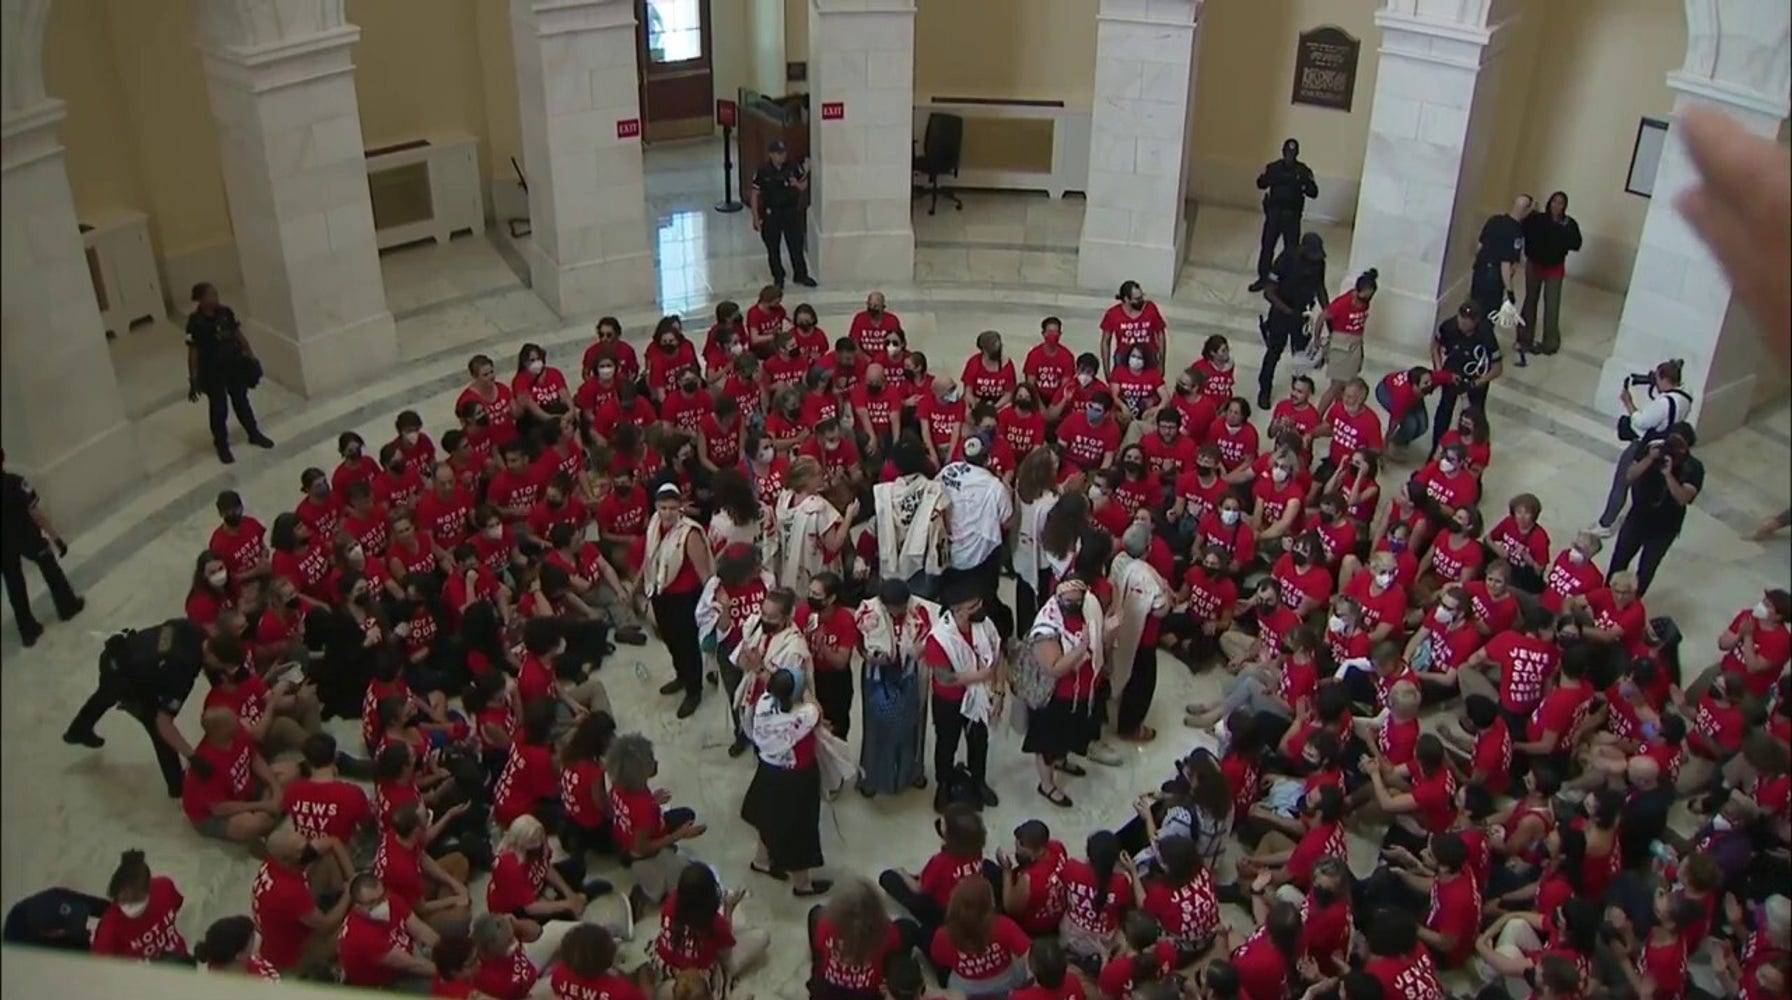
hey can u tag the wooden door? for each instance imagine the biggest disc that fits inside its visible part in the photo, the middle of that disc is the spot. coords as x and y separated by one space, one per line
676 75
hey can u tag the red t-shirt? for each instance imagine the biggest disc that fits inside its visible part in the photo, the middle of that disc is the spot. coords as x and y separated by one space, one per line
635 819
837 971
1021 432
604 986
1303 419
1238 445
1322 840
1493 756
1167 459
984 385
1199 499
1409 977
1560 712
1116 979
326 808
1565 579
1397 740
942 873
1237 541
1347 315
1208 596
149 935
1402 395
1262 968
1007 942
1079 881
1188 913
1352 432
623 515
1144 330
501 420
882 408
681 947
506 977
241 550
231 779
870 333
362 943
581 784
1051 367
516 882
448 520
399 869
1773 643
1070 989
832 630
1137 391
1718 727
1087 446
941 418
1312 584
1387 606
279 901
527 778
1526 666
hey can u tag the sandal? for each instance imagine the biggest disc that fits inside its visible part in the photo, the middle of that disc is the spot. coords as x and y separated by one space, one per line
1074 770
769 872
1144 734
1056 797
817 887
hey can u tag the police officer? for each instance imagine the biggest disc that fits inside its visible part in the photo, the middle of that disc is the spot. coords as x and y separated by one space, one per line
149 674
1296 284
1498 254
26 533
777 200
1286 184
1466 350
221 364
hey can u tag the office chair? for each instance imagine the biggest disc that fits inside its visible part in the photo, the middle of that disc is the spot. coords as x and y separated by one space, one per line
940 147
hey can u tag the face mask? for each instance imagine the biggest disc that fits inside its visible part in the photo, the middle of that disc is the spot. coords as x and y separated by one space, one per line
218 579
668 346
689 387
534 366
397 467
1024 405
1136 364
1576 556
1134 468
494 532
1279 474
410 437
233 519
134 910
1337 624
380 913
1207 470
1445 615
1396 545
353 454
874 386
1212 569
1323 896
1053 336
979 616
1229 517
1447 466
1762 611
1095 414
1302 559
1384 580
1084 378
952 397
765 455
320 493
993 355
893 350
1720 824
1073 608
817 603
482 421
605 374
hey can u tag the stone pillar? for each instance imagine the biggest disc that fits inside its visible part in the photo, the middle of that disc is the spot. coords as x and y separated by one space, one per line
1134 227
1429 125
1679 303
61 417
581 122
861 64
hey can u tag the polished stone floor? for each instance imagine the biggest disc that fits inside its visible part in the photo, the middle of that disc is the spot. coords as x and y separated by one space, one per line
1002 263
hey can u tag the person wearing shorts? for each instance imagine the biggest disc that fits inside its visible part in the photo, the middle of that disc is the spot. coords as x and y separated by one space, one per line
1345 320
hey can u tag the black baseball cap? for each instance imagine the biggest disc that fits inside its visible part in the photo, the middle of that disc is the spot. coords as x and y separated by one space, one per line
777 146
1468 310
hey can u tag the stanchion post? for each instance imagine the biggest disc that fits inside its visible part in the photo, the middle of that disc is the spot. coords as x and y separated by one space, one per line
726 112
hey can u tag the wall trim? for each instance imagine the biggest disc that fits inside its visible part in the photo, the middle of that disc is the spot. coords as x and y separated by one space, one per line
1718 92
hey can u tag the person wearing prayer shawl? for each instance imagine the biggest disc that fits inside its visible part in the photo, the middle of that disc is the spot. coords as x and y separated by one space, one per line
675 567
1068 643
769 641
909 518
784 801
729 598
894 626
963 655
1141 599
811 532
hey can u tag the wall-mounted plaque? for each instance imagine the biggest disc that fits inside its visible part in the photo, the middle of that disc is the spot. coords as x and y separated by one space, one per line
1325 68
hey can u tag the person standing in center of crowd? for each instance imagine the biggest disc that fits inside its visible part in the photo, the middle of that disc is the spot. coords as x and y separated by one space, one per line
1286 184
222 365
783 804
978 510
676 567
1346 319
777 211
1549 237
963 652
1295 285
1467 352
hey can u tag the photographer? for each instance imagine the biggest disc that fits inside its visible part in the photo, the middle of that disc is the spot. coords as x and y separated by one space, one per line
1668 404
1664 481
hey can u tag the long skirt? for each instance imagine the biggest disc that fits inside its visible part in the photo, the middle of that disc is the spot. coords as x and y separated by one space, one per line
784 805
1059 728
895 737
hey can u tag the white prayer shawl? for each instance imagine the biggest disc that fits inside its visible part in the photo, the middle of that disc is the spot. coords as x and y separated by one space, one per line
723 532
884 639
1138 591
1029 559
712 609
775 732
1050 622
665 550
801 525
979 652
911 530
786 650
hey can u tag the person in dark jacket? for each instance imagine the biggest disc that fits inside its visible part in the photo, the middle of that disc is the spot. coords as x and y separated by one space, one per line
26 532
1286 184
221 364
1549 237
1498 252
1296 284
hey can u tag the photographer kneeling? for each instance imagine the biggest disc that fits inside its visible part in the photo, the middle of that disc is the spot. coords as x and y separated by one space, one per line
1664 481
1667 405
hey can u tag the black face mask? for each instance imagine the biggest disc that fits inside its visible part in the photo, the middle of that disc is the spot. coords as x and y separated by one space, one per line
1073 609
771 628
396 468
817 603
875 386
979 616
1302 559
669 348
1323 896
688 386
1024 405
364 600
1134 469
308 855
292 602
232 520
1207 470
482 421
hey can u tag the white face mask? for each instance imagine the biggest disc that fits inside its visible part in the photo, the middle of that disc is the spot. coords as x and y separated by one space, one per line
1445 615
1229 517
134 910
357 553
1447 466
381 913
535 366
221 577
495 532
605 374
410 437
1762 611
1136 364
766 454
1720 823
1279 474
952 397
893 350
1337 624
1084 378
1384 580
1576 556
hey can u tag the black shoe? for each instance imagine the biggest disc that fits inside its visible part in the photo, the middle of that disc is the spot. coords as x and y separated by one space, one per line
940 799
595 887
778 281
819 886
673 686
739 746
174 792
1233 893
631 635
988 795
1259 284
260 440
1523 362
688 707
769 872
714 679
73 609
807 282
225 456
29 634
1263 400
89 739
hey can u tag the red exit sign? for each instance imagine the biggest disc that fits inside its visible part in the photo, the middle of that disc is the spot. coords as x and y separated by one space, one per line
628 128
833 111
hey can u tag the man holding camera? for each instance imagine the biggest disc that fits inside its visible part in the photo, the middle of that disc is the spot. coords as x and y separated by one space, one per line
1666 406
1664 480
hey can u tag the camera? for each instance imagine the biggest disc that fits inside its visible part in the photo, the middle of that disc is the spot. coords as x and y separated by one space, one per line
1640 379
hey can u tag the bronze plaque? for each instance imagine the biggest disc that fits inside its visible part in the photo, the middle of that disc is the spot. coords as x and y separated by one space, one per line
1325 68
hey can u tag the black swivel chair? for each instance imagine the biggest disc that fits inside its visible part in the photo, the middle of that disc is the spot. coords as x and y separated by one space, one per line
940 148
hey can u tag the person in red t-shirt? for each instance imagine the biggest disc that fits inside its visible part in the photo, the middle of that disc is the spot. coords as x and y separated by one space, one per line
980 948
988 378
287 917
1402 393
229 792
587 969
1351 425
1232 433
1146 958
872 325
1050 366
1454 916
1396 959
698 932
1758 645
240 541
497 404
1346 319
1090 437
1133 322
833 637
1137 386
1052 978
1297 414
378 941
1264 964
1169 451
143 921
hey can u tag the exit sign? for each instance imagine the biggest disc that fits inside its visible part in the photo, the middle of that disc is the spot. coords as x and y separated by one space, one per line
833 111
628 128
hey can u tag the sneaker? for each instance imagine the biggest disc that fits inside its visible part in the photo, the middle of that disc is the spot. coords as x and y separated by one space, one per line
688 707
1105 755
595 887
739 746
225 456
73 609
260 440
1598 530
88 739
988 795
673 686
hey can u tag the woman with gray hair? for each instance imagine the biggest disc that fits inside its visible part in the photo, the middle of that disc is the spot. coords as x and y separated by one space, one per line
1141 599
506 965
647 835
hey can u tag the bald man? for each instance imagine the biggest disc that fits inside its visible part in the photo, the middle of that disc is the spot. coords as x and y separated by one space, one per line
229 792
297 936
1645 811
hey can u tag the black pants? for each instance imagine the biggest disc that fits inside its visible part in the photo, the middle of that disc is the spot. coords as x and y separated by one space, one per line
1278 224
928 914
833 690
1637 537
730 677
676 616
12 566
987 576
1447 397
786 225
1135 698
1487 287
948 724
108 696
219 400
1279 330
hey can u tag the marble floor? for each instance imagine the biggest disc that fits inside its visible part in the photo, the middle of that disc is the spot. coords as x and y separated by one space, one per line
1001 264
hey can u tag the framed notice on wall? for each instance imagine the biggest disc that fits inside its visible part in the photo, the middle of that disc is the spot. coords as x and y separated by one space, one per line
1645 157
1325 68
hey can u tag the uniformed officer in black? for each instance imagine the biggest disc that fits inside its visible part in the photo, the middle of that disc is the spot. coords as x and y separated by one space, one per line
221 364
149 675
26 533
1296 284
1465 347
1286 184
777 203
1498 254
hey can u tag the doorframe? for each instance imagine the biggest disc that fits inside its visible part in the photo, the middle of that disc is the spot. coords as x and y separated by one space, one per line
704 64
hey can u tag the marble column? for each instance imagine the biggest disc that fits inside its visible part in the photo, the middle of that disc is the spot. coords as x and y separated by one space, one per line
1679 303
861 64
1135 226
61 419
581 123
1430 122
282 89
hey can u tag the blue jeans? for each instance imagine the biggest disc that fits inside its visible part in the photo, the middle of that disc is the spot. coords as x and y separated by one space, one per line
1411 427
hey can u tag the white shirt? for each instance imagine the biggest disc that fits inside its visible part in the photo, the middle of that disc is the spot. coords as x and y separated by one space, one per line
978 505
1657 415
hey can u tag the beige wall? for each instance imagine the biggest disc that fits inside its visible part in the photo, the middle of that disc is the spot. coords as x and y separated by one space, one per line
796 35
102 148
766 31
1030 49
418 71
1243 80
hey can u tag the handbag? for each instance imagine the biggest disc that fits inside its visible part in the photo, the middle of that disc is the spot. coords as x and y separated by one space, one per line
1028 679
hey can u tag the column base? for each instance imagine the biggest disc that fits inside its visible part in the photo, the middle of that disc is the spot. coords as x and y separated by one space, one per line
325 362
873 257
80 482
591 288
1104 264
